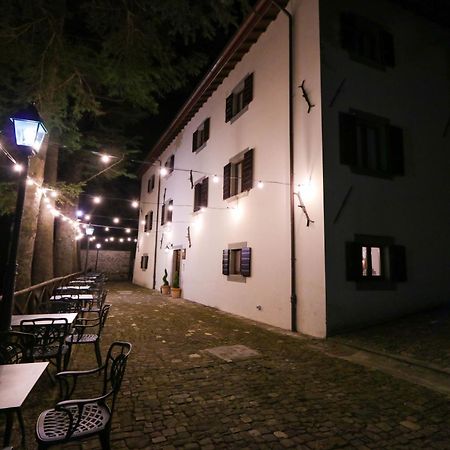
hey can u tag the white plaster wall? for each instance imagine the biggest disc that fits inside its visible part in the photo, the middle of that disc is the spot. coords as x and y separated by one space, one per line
414 95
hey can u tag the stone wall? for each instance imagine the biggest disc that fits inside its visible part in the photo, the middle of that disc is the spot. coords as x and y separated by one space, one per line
114 263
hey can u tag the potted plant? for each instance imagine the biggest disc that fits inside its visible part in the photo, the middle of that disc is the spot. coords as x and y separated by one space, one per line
165 288
176 291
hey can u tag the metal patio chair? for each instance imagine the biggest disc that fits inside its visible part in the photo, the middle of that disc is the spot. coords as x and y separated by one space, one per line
72 420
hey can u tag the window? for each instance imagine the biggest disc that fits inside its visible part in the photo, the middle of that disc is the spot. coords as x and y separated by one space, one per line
201 194
370 145
200 136
170 164
241 96
238 175
366 41
236 262
148 221
375 262
166 212
144 262
151 183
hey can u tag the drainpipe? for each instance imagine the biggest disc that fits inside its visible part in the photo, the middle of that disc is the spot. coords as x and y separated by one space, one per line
291 167
157 225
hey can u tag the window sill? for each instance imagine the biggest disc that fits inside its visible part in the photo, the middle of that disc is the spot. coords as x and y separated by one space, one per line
199 149
375 285
237 196
237 278
239 114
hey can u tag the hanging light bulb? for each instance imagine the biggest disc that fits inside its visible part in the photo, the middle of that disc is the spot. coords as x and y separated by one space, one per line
260 184
127 230
215 179
135 240
134 203
97 200
129 239
163 171
30 182
105 158
142 222
170 208
111 238
17 168
116 220
121 240
79 213
106 239
106 228
54 194
87 217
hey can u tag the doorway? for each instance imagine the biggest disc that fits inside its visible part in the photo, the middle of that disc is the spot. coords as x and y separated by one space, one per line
176 264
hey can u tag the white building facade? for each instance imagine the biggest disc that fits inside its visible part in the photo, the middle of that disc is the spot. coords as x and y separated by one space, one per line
304 207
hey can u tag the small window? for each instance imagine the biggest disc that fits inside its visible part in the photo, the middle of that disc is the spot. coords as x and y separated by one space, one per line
144 262
151 183
201 194
200 136
166 212
366 41
370 145
375 262
236 262
238 100
238 175
170 164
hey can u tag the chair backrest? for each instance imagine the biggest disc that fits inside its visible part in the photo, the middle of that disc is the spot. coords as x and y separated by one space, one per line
64 305
48 332
16 347
115 364
103 316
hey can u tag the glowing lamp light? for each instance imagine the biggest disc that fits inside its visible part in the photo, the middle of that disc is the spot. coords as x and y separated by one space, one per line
105 158
170 208
87 217
89 231
106 228
202 209
129 239
116 220
79 213
54 194
163 171
29 182
17 168
135 240
97 200
106 239
98 245
260 184
215 179
121 240
127 230
142 222
29 129
134 203
111 239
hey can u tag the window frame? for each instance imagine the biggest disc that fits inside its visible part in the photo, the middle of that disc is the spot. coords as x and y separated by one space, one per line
200 136
144 262
237 271
151 183
238 175
240 97
166 213
201 191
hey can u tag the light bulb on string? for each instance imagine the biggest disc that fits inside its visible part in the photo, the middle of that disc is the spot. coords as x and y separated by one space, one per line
129 239
111 238
54 194
142 222
127 230
134 203
30 182
106 228
215 179
121 240
163 171
260 184
17 168
105 158
116 220
170 208
87 217
79 213
97 199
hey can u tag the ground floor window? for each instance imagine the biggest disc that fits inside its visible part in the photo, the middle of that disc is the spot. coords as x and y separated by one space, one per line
144 262
236 261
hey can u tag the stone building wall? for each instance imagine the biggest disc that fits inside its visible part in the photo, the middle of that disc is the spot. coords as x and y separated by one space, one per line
114 263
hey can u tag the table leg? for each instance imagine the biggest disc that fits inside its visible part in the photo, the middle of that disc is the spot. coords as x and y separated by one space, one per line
8 427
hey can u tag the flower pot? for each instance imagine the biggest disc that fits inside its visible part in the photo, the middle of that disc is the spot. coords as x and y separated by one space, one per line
176 292
165 289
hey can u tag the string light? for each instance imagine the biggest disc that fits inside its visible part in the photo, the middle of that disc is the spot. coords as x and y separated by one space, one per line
105 158
98 246
134 203
111 239
54 194
170 208
17 168
121 240
129 239
127 230
79 213
87 217
215 179
260 184
106 239
142 222
116 220
97 200
106 228
29 182
163 171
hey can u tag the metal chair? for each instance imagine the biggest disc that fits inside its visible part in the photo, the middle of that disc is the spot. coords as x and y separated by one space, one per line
72 420
88 331
49 335
16 348
96 304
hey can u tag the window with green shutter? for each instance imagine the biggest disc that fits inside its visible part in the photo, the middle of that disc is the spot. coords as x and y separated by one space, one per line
239 99
200 136
238 174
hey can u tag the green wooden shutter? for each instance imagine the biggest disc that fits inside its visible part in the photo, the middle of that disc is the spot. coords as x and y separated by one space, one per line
248 89
246 260
150 221
397 262
146 223
194 140
206 130
204 193
229 108
387 48
197 196
226 262
247 171
227 181
395 150
163 214
353 256
170 212
348 139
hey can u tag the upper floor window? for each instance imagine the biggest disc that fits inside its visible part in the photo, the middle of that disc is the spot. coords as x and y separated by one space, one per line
238 174
170 164
144 262
151 183
367 41
201 194
370 145
241 96
200 136
148 225
166 212
375 262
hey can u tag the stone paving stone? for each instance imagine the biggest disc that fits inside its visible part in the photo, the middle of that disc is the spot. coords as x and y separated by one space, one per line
292 396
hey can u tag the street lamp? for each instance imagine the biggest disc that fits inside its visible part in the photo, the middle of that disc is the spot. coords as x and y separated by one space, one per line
89 232
98 247
29 133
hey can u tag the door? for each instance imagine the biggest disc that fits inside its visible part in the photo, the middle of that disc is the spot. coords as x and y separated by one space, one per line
176 267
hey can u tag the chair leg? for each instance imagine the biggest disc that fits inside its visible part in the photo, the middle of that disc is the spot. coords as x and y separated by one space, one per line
104 439
97 352
22 425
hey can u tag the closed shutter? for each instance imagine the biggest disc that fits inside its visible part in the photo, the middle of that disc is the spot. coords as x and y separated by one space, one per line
397 262
142 262
172 163
226 262
348 31
194 140
247 171
170 211
396 154
387 48
146 223
153 182
348 144
197 196
163 214
353 256
227 181
248 89
246 260
229 108
206 130
150 221
204 193
149 185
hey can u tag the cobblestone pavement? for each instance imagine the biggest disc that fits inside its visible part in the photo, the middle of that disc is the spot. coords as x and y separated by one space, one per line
176 395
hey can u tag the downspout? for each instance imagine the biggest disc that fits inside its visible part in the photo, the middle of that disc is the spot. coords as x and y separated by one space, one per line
157 225
291 168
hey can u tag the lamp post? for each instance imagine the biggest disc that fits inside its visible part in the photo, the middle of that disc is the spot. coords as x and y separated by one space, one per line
29 133
89 233
98 246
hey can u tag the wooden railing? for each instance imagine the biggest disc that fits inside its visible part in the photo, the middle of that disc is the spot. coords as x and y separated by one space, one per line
29 300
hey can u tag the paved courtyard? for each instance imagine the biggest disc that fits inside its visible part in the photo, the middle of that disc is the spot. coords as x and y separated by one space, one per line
291 394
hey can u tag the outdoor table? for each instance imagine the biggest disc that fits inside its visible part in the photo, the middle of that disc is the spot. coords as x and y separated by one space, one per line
85 287
87 297
81 282
16 382
16 319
